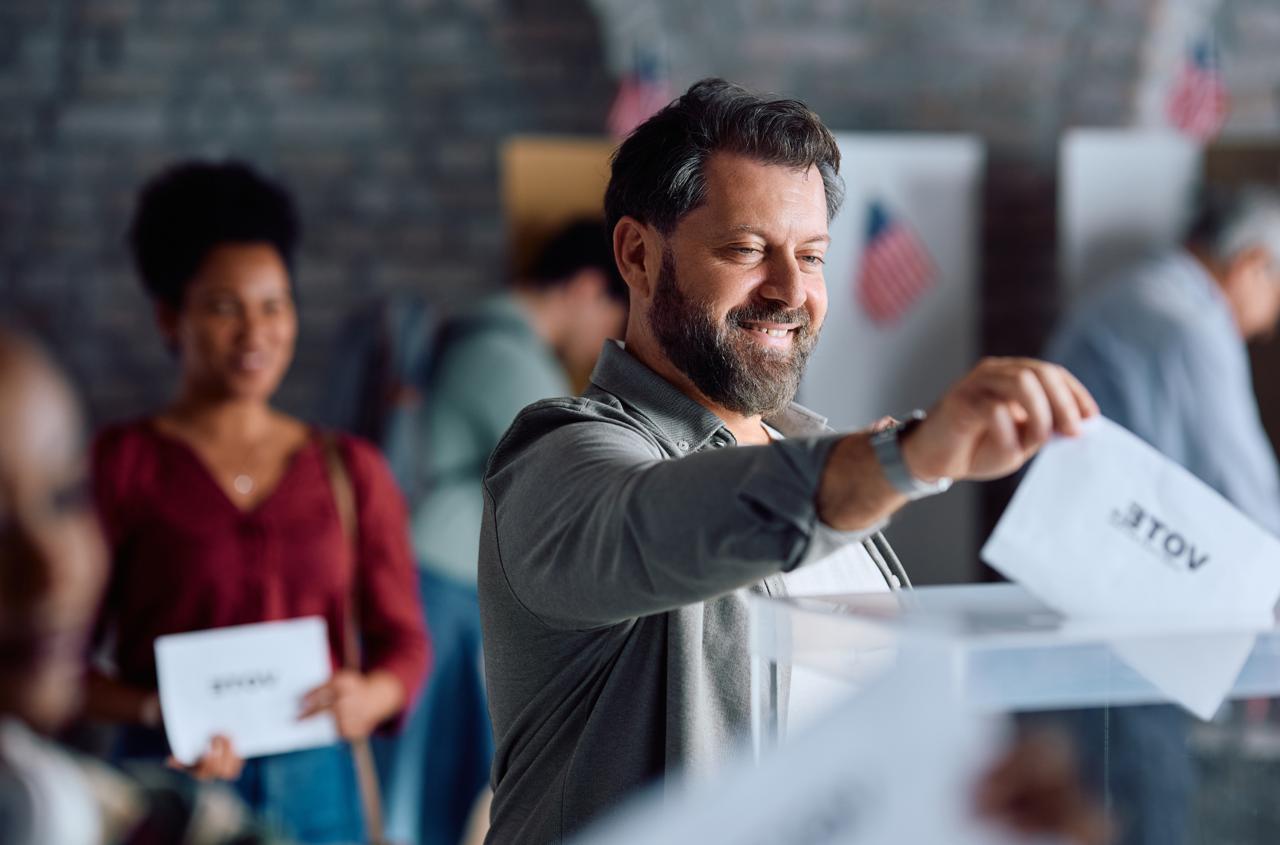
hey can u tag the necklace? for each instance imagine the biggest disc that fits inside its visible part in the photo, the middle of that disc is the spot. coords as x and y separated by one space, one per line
243 481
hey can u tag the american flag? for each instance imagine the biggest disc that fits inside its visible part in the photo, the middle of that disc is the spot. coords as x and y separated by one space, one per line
1199 102
896 269
641 94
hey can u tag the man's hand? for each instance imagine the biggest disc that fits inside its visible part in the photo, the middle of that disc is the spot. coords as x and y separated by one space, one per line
992 421
359 703
986 426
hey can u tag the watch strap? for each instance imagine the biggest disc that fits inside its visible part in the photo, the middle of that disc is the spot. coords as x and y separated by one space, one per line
887 446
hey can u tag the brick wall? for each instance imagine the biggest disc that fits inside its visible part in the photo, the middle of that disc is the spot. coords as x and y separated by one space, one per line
383 116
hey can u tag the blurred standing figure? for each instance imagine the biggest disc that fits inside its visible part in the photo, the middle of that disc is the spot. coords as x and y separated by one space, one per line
219 511
538 340
1163 347
53 568
1163 350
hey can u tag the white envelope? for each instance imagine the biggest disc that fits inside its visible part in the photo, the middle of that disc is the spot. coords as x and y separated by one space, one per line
245 682
1104 526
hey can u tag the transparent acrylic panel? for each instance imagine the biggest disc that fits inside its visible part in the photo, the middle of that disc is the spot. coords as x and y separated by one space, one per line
1162 774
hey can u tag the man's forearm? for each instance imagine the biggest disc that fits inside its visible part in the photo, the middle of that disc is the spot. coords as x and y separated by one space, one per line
853 493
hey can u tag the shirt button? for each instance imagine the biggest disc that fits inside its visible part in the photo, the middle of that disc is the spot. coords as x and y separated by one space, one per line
682 445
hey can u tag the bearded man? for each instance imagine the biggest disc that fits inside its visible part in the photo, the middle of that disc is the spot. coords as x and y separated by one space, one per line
624 529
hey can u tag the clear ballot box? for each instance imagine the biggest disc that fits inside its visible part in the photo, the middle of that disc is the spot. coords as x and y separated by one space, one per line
1164 775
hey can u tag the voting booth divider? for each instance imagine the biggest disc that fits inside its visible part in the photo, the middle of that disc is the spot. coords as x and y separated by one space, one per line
1008 654
862 369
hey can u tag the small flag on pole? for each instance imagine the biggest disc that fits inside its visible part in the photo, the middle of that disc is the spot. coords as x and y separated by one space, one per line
1199 102
641 94
896 269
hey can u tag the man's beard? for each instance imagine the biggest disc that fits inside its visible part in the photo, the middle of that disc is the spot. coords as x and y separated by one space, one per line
728 367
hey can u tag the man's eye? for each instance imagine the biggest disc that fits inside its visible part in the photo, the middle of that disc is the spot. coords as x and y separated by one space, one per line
746 250
815 260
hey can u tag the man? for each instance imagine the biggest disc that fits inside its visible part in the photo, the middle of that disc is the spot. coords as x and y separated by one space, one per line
537 340
624 529
1163 349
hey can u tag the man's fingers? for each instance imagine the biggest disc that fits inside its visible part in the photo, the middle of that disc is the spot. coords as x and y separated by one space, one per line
1053 399
1003 425
1084 399
1029 392
1063 401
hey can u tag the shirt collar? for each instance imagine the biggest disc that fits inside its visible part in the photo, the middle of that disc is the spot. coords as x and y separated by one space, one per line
675 414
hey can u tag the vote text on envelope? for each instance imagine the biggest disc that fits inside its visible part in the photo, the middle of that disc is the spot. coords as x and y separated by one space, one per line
1105 526
245 682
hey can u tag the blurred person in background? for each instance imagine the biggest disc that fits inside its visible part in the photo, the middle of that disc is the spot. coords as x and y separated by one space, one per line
1162 347
53 568
537 340
219 509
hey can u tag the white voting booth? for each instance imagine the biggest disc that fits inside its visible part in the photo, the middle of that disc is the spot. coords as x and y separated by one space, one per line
860 371
1121 192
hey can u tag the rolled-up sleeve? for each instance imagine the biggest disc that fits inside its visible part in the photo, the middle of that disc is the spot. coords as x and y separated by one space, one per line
594 524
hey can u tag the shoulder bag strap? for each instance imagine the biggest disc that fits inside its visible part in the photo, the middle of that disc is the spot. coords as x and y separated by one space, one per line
344 495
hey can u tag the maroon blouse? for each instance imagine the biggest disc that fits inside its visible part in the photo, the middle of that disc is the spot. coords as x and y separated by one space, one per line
186 558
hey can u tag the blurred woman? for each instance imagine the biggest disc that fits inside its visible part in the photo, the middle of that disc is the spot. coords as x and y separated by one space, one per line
52 570
220 510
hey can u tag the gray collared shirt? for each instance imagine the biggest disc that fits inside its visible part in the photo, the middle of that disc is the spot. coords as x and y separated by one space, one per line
613 583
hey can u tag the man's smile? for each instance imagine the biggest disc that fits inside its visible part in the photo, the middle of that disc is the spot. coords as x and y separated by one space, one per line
770 334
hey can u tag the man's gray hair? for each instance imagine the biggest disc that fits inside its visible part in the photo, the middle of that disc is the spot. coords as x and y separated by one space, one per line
1229 221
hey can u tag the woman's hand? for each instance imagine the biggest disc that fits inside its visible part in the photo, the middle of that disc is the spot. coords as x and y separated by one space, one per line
220 762
359 703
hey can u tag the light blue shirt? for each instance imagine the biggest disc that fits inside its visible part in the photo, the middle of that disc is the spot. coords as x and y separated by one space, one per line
1160 351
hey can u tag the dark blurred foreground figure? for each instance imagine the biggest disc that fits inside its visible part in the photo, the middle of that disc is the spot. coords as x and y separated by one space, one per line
220 510
1162 347
52 570
625 529
535 341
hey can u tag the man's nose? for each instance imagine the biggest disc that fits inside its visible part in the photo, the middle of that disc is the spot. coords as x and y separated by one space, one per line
784 285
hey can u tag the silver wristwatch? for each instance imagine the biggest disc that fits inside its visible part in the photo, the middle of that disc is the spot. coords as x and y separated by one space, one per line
887 445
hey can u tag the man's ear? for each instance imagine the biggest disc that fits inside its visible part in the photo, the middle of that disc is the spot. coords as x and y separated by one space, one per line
1249 262
638 251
